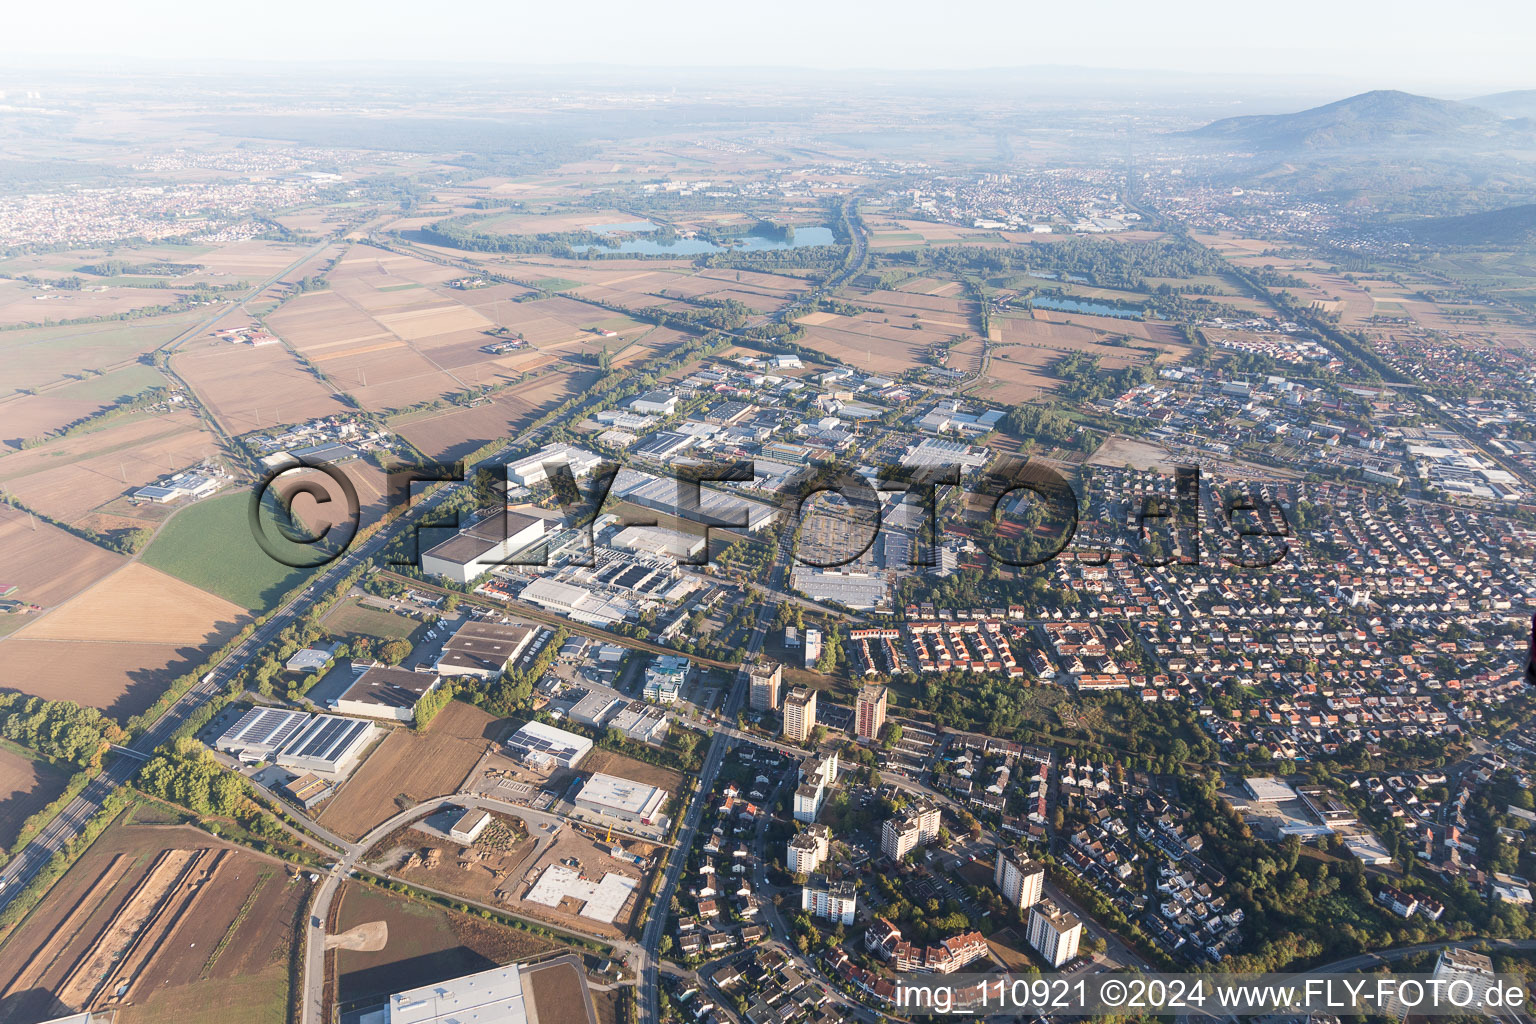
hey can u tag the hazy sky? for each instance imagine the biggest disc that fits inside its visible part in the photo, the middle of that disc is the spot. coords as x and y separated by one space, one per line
1465 47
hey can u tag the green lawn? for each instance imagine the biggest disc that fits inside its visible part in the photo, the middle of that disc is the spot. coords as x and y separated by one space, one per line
352 618
210 545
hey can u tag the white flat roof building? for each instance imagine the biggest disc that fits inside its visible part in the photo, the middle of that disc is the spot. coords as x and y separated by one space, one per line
545 744
490 997
623 799
533 470
327 744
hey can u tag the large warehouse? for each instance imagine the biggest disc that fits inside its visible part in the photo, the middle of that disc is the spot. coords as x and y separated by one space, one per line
481 546
483 649
531 471
389 693
328 744
546 746
622 799
260 732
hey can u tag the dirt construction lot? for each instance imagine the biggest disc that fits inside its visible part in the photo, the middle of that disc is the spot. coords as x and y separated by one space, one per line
409 767
426 944
164 922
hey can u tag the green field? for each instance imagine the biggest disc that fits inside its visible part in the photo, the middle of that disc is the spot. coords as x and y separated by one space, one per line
209 545
555 284
400 287
41 355
353 619
130 380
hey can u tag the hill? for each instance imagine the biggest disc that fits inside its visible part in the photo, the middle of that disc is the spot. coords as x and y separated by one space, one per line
1515 225
1371 118
1520 103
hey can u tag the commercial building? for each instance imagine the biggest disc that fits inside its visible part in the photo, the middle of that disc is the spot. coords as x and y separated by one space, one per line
1054 933
307 790
917 826
1019 879
481 546
765 678
664 678
327 745
799 714
869 712
483 649
260 733
546 746
1268 789
469 826
641 722
808 849
622 799
707 505
533 470
817 774
834 901
388 693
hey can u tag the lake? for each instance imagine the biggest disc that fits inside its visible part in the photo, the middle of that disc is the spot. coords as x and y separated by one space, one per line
1064 304
698 246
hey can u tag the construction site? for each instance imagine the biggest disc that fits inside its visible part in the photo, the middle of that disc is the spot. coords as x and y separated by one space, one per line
147 913
577 876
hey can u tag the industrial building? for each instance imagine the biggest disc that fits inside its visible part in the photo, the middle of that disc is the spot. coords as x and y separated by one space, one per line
622 799
655 403
674 497
532 470
387 693
546 746
469 826
307 790
640 722
501 995
260 733
576 602
659 541
483 649
327 745
480 546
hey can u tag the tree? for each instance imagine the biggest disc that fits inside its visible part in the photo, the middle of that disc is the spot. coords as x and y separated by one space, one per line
395 651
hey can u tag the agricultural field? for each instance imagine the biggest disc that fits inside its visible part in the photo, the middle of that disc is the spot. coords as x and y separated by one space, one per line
97 942
246 388
454 432
210 546
117 645
47 565
426 944
40 356
409 767
68 477
27 785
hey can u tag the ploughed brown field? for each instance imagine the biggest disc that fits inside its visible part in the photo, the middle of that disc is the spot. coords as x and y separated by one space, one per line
247 388
217 950
118 644
26 787
67 478
409 767
46 565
